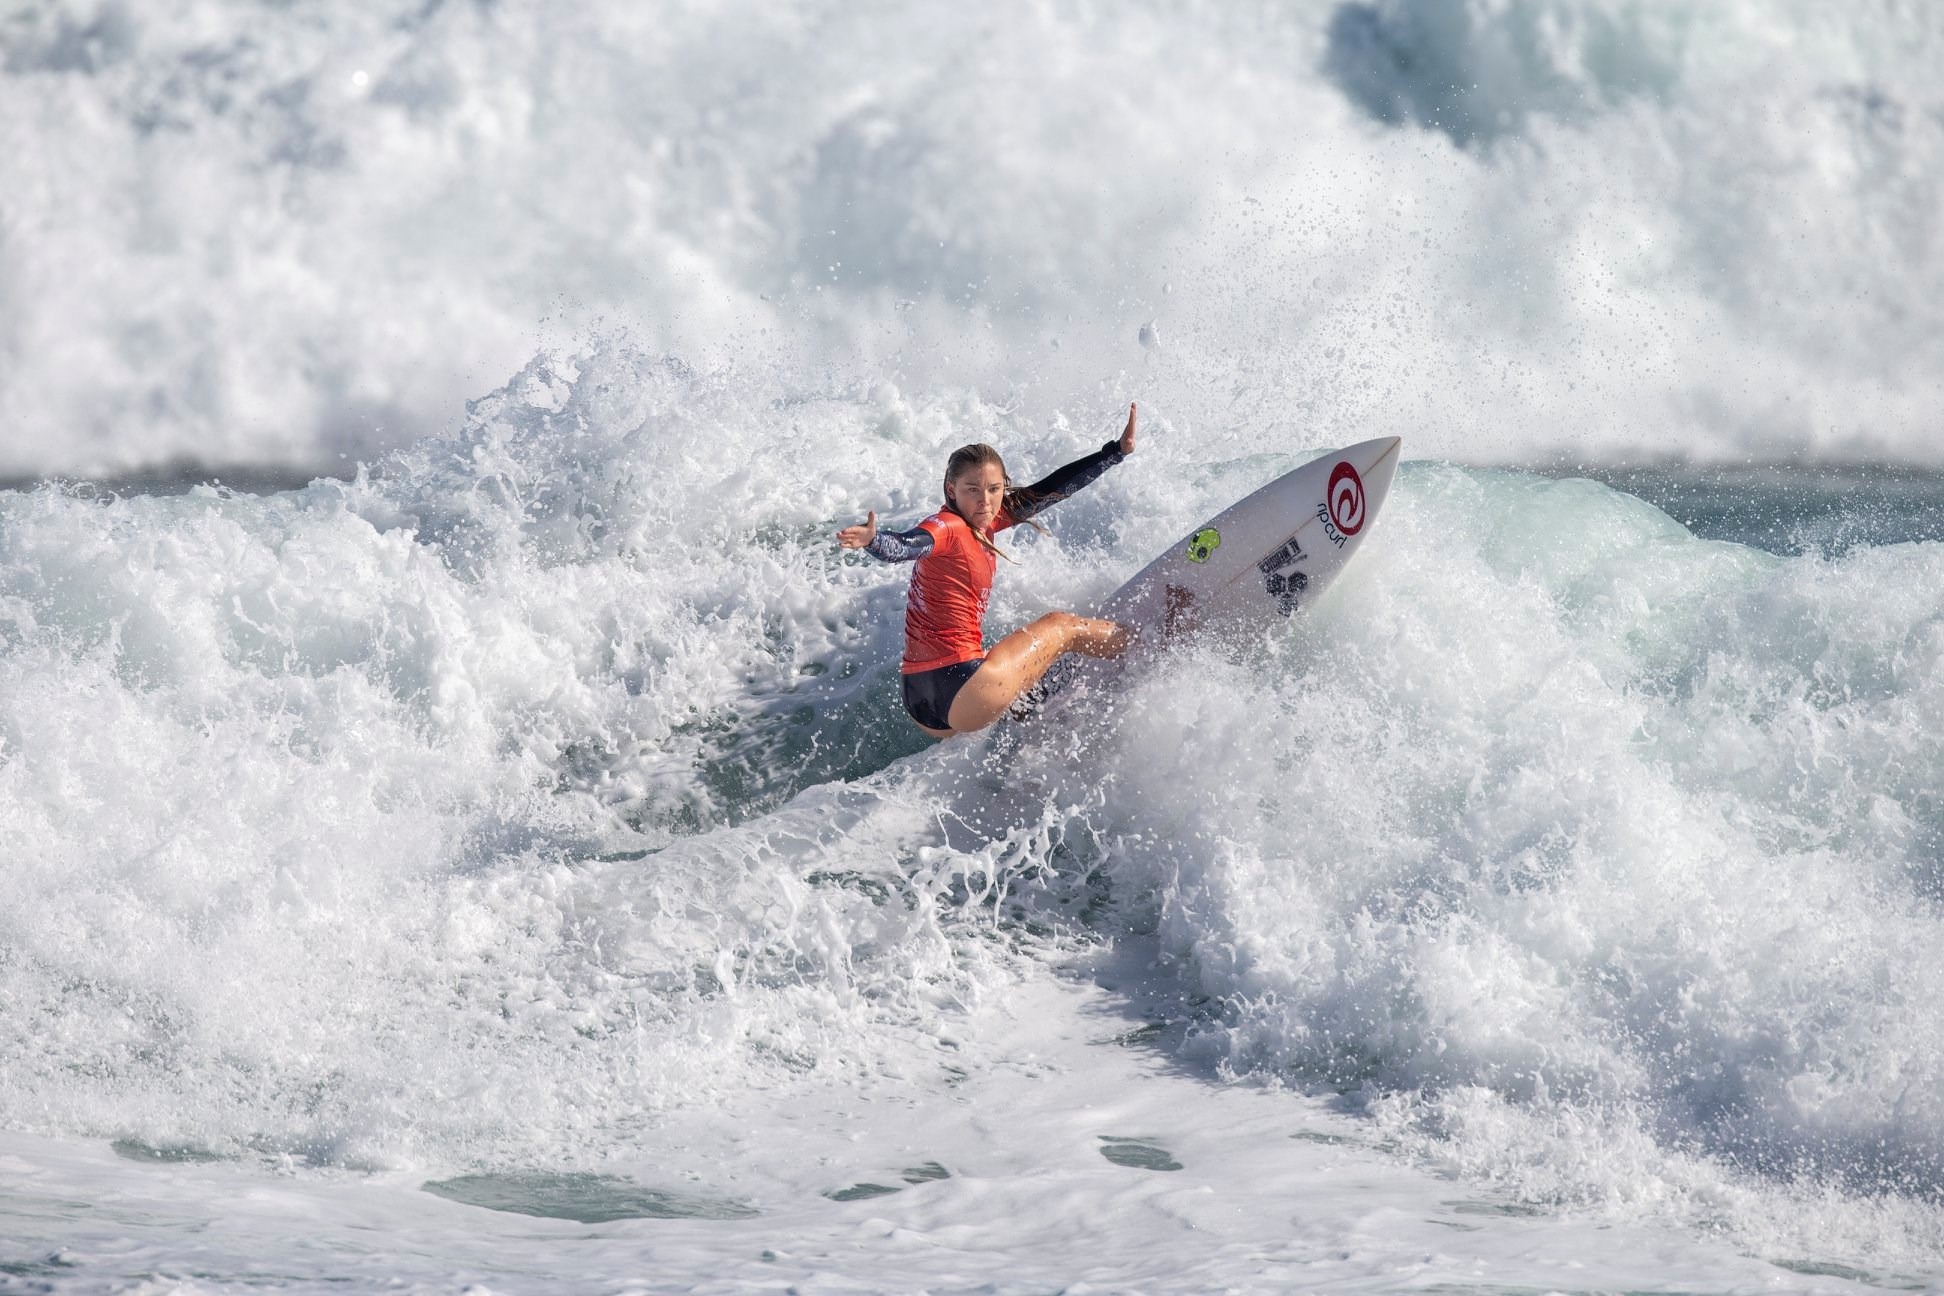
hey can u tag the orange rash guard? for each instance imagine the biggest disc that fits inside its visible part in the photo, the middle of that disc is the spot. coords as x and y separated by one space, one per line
950 587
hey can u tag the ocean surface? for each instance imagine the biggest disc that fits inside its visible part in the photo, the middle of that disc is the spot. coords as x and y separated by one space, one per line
457 827
528 830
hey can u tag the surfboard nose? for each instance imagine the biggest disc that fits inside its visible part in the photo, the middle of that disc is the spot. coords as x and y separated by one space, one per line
1373 451
1376 461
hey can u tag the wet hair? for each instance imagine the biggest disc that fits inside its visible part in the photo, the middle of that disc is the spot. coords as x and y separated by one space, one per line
978 455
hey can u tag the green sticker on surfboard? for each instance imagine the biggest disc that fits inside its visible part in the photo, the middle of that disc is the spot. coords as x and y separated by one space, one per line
1203 543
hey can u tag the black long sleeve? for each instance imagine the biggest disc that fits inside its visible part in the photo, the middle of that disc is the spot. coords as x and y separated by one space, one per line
1062 482
900 546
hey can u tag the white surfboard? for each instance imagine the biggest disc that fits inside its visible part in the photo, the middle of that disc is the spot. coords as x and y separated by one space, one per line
1265 556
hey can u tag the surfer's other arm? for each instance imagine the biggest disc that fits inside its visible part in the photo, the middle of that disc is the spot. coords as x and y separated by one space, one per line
891 546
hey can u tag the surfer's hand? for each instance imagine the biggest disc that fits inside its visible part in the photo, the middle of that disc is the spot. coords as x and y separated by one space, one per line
1127 437
856 537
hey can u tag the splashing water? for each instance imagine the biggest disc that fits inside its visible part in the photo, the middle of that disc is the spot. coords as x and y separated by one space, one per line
547 787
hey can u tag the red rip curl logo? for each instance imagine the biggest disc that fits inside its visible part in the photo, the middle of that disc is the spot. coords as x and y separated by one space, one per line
1346 499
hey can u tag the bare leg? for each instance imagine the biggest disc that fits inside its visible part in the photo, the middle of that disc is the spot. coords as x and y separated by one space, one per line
1016 663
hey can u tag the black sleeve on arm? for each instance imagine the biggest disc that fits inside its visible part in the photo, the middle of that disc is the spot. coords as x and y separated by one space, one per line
900 546
1062 482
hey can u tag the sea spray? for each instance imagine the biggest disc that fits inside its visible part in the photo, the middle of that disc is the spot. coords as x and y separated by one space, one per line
1508 232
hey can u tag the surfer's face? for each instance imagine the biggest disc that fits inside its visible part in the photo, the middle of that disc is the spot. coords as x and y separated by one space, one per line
977 493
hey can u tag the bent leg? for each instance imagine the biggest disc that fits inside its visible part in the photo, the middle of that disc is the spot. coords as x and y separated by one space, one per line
1016 663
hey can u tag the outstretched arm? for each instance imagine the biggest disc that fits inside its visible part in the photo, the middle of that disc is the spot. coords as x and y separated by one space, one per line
1062 482
890 546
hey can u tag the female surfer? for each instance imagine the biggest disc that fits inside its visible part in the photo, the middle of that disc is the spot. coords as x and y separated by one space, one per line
952 684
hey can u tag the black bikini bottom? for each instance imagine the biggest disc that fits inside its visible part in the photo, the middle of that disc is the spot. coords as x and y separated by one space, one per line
928 694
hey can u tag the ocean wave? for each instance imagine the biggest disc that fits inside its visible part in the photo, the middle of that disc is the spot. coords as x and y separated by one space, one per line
550 777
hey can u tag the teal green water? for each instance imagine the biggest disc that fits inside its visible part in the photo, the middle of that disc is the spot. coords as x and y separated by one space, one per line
1783 508
1786 509
584 1198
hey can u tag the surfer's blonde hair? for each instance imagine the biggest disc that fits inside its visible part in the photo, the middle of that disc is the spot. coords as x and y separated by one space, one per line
978 455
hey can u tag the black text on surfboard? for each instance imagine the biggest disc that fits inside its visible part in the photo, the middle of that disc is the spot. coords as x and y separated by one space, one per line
1330 531
1284 585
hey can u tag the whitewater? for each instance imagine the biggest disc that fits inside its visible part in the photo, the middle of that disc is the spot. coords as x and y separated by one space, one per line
457 826
541 807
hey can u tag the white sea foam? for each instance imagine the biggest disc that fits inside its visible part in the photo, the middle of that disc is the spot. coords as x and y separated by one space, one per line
520 805
1593 856
1508 230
